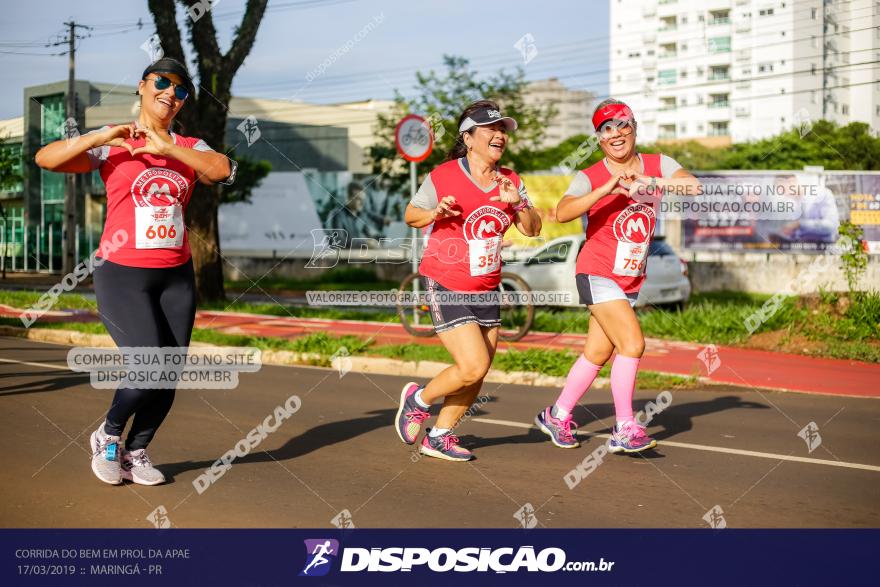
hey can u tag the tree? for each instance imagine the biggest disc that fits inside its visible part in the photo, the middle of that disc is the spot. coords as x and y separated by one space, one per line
692 155
440 98
577 150
248 176
824 143
204 114
10 159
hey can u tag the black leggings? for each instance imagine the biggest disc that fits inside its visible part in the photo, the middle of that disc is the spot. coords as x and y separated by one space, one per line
144 307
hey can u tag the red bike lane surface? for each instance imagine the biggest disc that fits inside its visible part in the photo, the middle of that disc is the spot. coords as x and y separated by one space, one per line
722 364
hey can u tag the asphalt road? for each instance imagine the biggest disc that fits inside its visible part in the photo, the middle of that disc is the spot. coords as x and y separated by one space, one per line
731 448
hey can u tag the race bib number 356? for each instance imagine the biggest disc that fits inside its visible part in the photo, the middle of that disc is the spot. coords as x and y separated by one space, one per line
485 255
159 227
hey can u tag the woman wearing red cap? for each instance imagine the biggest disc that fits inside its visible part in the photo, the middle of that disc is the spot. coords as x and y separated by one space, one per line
145 285
618 196
469 201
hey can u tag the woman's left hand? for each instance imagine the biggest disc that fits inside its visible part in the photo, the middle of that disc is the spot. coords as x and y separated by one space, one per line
640 190
508 192
154 144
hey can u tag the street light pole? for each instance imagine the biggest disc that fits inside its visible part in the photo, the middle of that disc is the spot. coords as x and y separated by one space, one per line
69 225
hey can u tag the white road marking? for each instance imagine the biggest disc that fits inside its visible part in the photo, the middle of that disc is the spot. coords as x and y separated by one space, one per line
703 447
28 363
721 449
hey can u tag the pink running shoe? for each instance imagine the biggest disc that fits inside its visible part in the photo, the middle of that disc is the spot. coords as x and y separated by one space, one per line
444 446
410 414
560 430
630 438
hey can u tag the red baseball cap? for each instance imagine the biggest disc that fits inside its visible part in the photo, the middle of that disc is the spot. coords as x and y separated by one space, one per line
620 112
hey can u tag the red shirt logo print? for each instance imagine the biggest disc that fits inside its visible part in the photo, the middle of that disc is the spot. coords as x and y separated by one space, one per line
635 224
485 222
159 186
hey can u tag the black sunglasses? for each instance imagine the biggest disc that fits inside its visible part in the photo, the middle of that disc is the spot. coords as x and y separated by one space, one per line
163 83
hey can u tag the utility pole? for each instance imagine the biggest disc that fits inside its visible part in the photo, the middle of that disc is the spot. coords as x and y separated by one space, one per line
824 62
69 129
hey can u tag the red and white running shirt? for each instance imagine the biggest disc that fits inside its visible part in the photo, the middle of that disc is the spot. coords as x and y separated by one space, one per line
146 197
464 252
619 229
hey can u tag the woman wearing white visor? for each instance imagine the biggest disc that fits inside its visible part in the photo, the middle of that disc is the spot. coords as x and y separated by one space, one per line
470 201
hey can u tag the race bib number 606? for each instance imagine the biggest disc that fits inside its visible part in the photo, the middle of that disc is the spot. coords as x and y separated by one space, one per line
159 227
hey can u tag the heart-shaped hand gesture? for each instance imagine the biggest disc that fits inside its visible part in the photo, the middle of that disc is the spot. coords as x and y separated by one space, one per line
155 144
117 136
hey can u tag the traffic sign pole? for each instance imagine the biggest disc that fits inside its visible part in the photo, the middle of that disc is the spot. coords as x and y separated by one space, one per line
414 141
415 231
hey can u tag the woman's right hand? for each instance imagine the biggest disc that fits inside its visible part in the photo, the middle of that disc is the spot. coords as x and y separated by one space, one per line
116 136
613 186
444 208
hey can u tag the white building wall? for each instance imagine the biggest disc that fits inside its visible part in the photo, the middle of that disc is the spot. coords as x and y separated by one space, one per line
743 69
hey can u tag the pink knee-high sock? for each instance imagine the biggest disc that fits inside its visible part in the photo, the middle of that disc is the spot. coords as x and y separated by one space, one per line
623 384
579 379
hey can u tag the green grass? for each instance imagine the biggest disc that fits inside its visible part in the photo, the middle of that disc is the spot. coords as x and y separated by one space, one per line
713 317
273 309
838 326
557 363
710 321
413 352
27 298
548 362
847 327
859 321
336 279
87 327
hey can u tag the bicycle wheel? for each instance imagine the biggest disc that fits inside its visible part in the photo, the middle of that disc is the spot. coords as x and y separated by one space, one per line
516 318
415 316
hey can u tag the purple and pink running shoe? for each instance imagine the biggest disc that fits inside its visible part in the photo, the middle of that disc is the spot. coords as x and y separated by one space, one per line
410 414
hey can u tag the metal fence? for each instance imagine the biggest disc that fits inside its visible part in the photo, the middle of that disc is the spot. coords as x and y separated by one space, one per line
39 248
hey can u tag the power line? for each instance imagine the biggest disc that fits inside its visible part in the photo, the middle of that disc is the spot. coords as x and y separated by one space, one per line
33 54
302 5
508 56
383 83
677 87
283 140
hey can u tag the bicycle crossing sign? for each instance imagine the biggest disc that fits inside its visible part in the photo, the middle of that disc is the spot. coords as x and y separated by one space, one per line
413 138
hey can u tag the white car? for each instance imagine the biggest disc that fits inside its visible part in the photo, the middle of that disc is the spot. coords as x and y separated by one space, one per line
552 268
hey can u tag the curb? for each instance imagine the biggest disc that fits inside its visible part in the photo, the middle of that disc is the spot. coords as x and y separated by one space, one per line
375 365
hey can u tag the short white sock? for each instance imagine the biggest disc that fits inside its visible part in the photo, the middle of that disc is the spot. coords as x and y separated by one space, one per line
435 432
420 401
620 423
558 412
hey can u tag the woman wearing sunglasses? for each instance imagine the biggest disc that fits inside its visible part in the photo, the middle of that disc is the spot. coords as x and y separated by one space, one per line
146 287
618 195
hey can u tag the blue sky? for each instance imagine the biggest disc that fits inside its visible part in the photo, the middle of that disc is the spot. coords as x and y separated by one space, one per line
570 37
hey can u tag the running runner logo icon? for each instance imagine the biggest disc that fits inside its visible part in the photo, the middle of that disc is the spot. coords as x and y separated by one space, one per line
485 222
320 554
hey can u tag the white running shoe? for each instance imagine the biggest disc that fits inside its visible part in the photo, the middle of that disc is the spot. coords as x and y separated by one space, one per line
106 456
137 467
